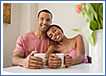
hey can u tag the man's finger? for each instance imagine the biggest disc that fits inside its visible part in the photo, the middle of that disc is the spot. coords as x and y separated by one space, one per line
32 53
36 58
35 65
36 62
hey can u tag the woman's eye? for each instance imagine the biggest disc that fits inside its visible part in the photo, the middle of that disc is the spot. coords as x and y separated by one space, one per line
50 35
53 30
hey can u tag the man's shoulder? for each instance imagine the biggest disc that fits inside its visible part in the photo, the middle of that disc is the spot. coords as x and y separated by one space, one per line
28 35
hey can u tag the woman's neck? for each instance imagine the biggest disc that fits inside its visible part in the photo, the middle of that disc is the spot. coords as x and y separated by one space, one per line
64 40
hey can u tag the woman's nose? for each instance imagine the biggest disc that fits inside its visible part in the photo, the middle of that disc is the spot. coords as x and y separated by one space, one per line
56 33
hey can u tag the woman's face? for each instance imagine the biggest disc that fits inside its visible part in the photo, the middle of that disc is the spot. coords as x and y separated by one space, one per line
55 34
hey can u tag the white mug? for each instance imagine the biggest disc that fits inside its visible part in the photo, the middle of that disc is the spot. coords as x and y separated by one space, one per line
43 56
61 55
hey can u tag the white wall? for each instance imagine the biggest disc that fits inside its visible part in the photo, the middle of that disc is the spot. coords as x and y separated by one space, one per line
10 33
27 17
22 20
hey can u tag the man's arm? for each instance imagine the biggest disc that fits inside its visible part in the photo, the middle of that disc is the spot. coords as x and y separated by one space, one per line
18 58
29 62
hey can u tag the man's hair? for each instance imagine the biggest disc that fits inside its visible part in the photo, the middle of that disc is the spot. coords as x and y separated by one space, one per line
46 11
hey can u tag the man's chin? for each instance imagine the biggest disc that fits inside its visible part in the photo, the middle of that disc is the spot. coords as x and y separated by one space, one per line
43 30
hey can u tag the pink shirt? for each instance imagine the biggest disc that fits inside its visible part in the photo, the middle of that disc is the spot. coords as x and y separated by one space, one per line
30 41
73 54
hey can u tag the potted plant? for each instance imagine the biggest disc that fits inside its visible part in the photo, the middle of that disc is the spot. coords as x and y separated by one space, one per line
93 13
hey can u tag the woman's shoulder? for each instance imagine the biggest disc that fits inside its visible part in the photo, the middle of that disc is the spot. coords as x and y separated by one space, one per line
79 36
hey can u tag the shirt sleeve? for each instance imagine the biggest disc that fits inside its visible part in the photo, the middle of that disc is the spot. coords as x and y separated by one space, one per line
20 45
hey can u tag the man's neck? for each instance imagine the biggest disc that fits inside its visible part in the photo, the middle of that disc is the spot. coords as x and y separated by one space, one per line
41 35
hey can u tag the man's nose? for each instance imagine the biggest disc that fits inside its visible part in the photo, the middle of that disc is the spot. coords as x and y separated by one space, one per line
44 22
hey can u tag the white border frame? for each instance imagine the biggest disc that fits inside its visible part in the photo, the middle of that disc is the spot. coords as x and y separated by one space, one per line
7 73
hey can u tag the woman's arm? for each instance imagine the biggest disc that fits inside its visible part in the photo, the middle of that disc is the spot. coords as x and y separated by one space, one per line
80 50
80 46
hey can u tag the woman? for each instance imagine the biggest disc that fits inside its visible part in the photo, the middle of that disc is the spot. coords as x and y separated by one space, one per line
73 48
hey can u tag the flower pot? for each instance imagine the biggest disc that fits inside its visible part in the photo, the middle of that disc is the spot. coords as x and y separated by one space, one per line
96 52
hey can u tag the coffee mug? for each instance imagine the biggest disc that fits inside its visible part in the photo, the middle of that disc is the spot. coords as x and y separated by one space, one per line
61 56
43 56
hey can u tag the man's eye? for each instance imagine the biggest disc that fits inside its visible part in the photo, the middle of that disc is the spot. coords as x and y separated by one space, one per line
41 18
48 20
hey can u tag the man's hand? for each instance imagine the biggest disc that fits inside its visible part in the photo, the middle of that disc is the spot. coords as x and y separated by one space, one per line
33 62
54 61
67 61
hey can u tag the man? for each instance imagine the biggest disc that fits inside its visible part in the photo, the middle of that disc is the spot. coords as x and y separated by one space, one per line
33 42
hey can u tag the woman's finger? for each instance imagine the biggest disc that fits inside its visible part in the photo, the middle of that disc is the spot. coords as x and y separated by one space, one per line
67 56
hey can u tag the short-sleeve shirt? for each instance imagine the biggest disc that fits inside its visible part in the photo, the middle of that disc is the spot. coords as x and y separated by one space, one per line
29 41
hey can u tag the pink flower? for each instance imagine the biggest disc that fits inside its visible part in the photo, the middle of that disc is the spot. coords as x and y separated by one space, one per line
78 8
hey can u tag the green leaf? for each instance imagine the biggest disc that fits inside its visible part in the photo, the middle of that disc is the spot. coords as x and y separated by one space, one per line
93 13
100 13
93 8
93 25
76 30
101 10
101 21
93 35
90 12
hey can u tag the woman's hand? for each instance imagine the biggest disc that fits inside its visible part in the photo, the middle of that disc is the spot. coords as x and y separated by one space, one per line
67 61
33 62
54 61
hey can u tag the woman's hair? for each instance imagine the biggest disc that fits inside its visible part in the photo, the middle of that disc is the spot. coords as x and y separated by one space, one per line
46 11
54 25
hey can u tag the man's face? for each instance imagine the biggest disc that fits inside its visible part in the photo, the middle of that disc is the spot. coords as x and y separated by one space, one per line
44 21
